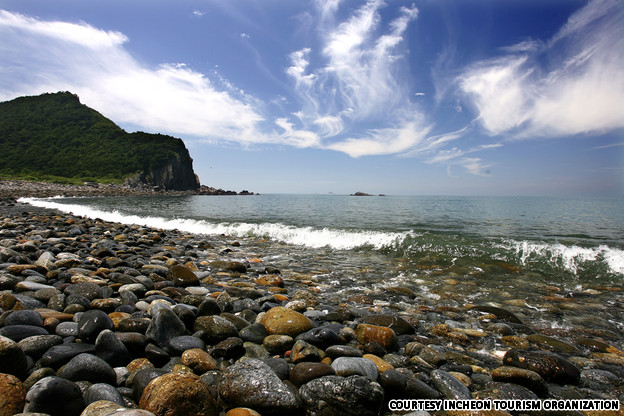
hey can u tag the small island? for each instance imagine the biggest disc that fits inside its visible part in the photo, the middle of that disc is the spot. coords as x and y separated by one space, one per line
364 194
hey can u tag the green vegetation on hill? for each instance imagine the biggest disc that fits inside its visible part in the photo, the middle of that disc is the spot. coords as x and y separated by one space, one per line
53 137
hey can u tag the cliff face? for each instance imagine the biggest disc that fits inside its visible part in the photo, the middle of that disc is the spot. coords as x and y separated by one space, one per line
54 137
176 174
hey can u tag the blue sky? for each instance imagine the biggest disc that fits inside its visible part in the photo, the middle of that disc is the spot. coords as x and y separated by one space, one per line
464 97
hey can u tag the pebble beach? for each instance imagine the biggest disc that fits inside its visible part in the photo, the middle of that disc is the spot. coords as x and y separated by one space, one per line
100 318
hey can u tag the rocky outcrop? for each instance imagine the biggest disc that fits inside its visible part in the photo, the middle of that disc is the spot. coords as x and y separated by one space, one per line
177 174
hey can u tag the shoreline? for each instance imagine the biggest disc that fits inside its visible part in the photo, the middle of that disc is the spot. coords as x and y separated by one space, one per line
21 188
217 315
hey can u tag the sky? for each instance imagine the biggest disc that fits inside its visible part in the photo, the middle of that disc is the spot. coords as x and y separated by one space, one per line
430 97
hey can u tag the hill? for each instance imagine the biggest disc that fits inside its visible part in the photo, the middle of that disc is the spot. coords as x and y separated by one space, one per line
56 138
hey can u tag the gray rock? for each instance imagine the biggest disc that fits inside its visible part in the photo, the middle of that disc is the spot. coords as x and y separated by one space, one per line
182 343
340 396
102 391
349 366
215 329
253 384
58 355
54 396
25 317
88 290
67 329
164 327
12 358
88 367
449 386
91 323
109 348
37 345
19 332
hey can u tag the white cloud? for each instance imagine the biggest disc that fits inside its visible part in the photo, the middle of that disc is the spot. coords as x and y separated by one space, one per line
574 84
93 63
198 13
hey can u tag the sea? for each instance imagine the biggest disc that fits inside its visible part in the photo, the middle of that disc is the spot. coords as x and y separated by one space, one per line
445 249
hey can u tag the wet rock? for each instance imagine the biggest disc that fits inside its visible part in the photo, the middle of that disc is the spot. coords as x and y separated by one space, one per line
386 337
102 391
278 344
304 372
87 289
347 366
255 333
230 348
382 365
108 408
88 367
109 348
500 313
198 360
19 332
214 329
39 344
303 351
283 321
12 395
55 396
142 377
58 355
523 377
340 396
505 391
236 266
597 379
165 326
12 359
24 317
403 386
449 386
183 276
555 345
548 365
91 323
336 351
178 394
253 384
399 325
209 307
182 343
321 337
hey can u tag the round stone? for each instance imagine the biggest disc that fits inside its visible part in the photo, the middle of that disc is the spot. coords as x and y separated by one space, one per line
198 360
178 394
182 343
58 355
19 332
12 358
283 321
24 317
183 276
91 323
55 396
88 367
449 386
386 337
215 329
304 372
527 378
39 344
165 326
348 366
108 408
334 395
87 289
12 395
109 348
102 391
253 384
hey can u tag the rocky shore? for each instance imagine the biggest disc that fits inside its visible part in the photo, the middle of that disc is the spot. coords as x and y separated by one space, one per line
100 318
18 188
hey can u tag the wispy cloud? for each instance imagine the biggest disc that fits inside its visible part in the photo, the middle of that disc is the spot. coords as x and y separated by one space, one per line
572 84
356 77
95 64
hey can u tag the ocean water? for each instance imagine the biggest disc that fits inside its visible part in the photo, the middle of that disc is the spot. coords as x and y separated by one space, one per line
567 241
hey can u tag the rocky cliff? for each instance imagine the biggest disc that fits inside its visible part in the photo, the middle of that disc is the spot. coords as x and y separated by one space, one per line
56 138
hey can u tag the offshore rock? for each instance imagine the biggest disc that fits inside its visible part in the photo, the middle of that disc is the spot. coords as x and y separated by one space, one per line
340 396
253 384
178 394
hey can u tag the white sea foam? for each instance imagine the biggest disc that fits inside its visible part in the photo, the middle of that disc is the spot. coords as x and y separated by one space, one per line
568 257
305 236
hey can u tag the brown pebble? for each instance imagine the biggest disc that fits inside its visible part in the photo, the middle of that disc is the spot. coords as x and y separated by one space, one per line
242 411
178 394
198 360
12 395
372 333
